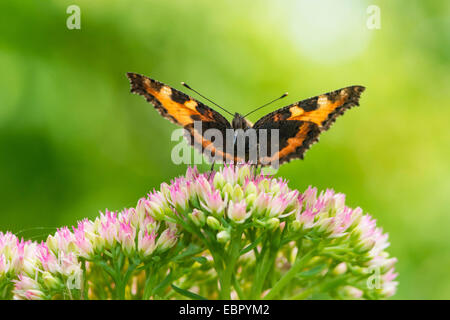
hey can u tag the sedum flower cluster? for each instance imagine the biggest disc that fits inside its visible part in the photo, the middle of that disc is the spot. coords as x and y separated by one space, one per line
231 234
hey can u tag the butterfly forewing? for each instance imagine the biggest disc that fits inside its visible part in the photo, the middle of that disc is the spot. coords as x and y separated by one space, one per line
301 123
185 111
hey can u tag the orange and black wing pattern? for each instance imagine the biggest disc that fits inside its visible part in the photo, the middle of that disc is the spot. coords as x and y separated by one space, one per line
301 123
182 110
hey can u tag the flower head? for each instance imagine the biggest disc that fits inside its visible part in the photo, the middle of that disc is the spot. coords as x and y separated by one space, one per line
243 215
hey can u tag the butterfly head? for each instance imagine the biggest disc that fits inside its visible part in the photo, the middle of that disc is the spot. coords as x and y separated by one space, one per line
239 122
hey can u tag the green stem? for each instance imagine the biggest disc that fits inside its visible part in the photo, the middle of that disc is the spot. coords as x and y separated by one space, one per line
304 294
121 281
238 288
288 276
261 267
265 262
84 282
227 272
148 283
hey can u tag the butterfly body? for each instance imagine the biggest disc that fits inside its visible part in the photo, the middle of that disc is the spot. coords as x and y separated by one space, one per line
284 134
239 122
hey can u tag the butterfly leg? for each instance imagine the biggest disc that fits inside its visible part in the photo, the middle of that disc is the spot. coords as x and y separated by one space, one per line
257 168
212 170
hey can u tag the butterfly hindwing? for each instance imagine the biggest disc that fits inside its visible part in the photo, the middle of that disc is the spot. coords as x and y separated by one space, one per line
294 138
301 123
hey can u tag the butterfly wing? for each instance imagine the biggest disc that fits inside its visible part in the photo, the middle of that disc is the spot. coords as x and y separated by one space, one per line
301 123
183 110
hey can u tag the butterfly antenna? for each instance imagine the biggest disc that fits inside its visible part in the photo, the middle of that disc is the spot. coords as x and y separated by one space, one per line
264 105
186 85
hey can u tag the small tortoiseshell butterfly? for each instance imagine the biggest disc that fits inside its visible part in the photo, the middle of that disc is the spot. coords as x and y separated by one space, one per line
299 124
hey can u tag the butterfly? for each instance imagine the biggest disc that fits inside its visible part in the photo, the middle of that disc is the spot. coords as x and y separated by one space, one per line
298 125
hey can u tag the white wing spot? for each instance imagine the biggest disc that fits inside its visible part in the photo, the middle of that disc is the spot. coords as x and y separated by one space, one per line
166 91
322 100
191 104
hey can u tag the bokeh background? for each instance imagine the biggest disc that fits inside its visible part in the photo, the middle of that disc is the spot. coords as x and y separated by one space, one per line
74 141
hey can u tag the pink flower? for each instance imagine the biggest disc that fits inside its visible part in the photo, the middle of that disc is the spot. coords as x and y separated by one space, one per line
201 187
237 211
146 242
69 265
309 197
278 186
198 217
229 173
64 239
389 286
84 245
341 221
47 258
278 205
27 289
155 204
25 283
109 227
261 204
4 265
179 197
213 202
167 239
353 292
34 295
192 173
126 236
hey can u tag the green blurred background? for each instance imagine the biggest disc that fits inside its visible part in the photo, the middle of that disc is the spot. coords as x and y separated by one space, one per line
74 141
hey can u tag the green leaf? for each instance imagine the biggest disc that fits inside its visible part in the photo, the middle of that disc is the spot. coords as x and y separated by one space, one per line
201 260
163 284
187 293
313 271
190 250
